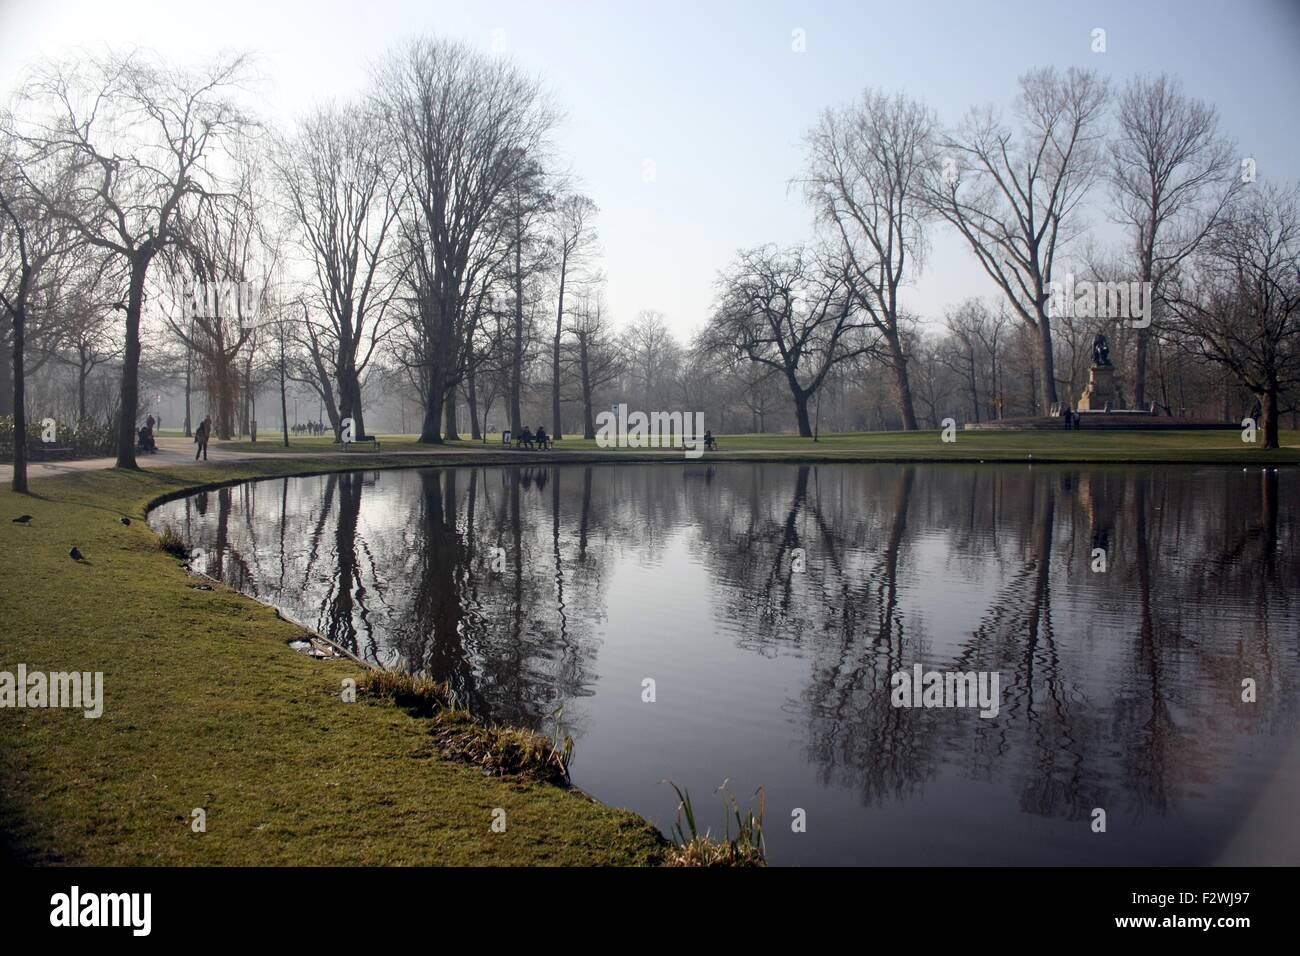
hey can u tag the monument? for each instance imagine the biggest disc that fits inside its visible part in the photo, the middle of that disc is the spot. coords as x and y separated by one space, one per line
1100 392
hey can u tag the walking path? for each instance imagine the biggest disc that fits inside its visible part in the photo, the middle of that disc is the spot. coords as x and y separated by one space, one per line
178 450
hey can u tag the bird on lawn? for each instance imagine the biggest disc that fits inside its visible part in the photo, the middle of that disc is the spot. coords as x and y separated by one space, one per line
23 519
76 555
125 520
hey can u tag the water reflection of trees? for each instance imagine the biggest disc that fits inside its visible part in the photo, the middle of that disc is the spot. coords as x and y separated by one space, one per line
1120 689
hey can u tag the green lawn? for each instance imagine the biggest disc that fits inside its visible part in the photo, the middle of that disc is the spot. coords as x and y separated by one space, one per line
206 707
1143 446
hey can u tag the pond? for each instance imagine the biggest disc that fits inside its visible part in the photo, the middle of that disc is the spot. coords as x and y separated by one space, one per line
1141 624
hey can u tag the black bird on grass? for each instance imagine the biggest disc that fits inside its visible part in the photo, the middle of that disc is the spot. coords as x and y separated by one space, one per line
23 519
76 555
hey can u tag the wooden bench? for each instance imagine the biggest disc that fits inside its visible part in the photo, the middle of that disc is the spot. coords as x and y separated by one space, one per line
44 452
371 440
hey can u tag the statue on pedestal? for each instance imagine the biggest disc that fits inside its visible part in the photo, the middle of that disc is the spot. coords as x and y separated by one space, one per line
1100 351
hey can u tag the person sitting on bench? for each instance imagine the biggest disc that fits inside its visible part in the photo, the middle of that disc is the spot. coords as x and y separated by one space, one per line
146 441
543 440
525 439
710 443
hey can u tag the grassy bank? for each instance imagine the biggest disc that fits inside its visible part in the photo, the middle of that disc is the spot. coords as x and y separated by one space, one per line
206 707
1203 447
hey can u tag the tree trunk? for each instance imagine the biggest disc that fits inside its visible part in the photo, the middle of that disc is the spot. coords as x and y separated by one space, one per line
1140 371
1047 363
7 385
1270 416
556 425
18 395
471 397
189 366
517 358
588 417
83 373
450 432
433 398
974 388
902 386
350 385
284 398
801 411
130 396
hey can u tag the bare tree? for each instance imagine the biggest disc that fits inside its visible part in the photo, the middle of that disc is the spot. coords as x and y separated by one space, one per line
334 182
1172 177
597 357
138 138
650 355
30 243
43 330
1014 196
86 315
1241 310
865 169
222 240
793 311
460 125
529 199
573 237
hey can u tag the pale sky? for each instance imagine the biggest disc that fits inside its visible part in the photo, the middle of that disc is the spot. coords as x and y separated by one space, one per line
714 94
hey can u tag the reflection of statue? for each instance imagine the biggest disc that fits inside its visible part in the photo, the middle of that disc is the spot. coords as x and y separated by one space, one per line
1100 352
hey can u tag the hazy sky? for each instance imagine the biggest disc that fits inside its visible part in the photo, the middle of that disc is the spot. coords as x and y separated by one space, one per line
716 97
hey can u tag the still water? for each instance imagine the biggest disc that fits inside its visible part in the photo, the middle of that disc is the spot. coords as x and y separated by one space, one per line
1121 608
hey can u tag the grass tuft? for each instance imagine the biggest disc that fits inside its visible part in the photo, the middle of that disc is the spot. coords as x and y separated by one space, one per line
692 848
422 696
170 540
459 736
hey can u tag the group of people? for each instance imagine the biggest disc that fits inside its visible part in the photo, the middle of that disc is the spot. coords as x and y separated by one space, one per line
1069 418
146 442
144 437
309 428
530 439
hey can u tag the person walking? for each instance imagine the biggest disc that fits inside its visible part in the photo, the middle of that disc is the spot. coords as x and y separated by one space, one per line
201 438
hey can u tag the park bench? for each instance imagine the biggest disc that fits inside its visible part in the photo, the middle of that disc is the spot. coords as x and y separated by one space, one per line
44 452
371 440
533 444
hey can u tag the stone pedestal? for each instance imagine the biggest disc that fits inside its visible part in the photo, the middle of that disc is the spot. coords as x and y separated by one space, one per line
1100 391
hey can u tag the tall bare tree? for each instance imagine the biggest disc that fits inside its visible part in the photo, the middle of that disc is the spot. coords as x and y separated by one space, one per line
1013 195
528 201
866 164
573 237
1173 179
461 125
335 183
